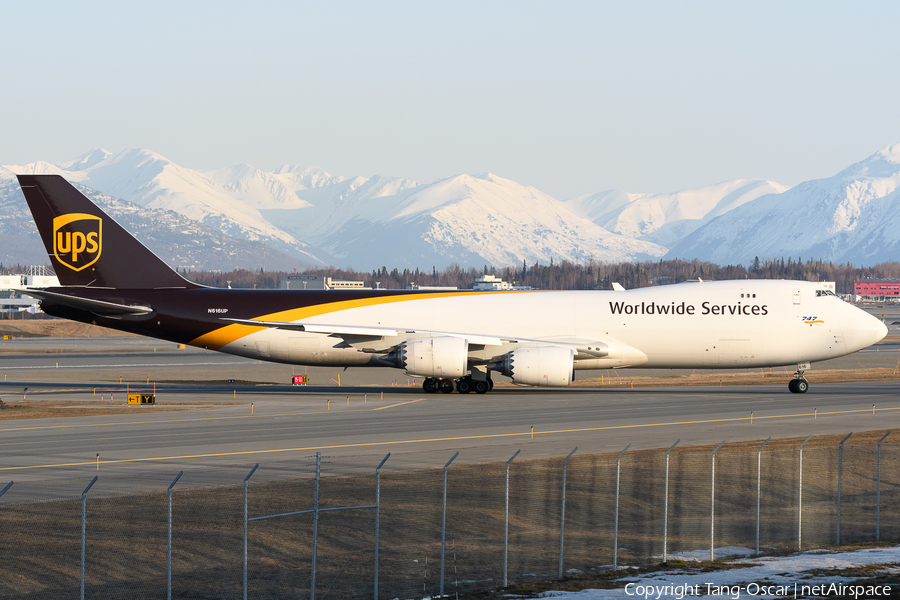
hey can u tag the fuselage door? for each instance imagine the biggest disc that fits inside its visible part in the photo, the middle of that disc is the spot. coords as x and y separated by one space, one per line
796 295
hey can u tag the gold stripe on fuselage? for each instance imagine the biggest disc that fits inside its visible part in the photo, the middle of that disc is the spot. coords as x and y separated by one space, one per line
214 340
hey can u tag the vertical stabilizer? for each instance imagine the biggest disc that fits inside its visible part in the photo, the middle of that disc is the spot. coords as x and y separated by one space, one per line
87 247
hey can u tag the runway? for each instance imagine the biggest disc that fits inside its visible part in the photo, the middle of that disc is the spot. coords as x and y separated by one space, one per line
289 424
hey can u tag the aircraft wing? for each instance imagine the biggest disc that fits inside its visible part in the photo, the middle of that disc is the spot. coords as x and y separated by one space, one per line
583 348
98 307
354 330
317 328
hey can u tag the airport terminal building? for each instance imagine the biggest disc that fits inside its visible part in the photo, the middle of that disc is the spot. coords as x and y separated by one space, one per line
12 300
878 290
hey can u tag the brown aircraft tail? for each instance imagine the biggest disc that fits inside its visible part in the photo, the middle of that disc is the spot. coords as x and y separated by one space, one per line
86 247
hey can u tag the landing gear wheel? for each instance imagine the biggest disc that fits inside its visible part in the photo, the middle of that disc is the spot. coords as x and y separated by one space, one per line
464 385
446 386
481 387
798 386
490 384
430 385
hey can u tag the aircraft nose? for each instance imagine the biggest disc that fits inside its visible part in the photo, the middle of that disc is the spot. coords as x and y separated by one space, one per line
874 330
861 329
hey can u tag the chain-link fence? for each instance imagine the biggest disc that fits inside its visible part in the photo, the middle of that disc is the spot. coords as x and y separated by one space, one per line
456 527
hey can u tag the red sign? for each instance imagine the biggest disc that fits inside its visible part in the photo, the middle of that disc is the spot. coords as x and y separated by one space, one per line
299 379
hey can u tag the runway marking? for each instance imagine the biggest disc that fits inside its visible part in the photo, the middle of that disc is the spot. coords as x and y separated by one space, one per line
37 392
181 364
421 441
86 425
399 404
258 416
321 412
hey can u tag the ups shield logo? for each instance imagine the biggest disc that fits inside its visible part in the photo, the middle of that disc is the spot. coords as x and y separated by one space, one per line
77 240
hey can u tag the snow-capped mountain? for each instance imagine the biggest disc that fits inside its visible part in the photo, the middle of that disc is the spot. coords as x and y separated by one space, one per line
331 202
853 217
357 221
225 200
666 218
179 241
470 220
368 222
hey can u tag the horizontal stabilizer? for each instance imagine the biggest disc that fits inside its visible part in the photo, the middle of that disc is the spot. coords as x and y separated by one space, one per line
98 307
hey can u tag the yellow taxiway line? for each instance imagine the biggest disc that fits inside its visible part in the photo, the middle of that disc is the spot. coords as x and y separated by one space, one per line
398 404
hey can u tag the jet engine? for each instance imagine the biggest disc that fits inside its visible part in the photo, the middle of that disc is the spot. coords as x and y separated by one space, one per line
544 366
433 357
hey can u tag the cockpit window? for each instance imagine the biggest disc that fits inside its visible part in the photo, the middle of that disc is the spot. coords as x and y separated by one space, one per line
825 293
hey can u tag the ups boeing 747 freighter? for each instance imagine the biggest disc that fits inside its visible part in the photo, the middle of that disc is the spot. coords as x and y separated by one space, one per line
455 340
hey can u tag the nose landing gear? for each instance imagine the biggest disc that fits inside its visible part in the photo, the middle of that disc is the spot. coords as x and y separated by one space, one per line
799 384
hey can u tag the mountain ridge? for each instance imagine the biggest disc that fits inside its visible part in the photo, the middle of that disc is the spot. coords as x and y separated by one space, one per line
367 222
179 241
852 216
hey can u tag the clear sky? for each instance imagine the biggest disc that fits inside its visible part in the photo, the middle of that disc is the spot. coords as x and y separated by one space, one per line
570 97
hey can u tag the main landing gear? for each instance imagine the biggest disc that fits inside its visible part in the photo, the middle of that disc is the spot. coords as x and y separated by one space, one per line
464 385
799 384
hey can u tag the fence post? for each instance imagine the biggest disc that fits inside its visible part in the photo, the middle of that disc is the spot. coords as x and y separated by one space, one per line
506 523
840 469
616 524
562 511
877 491
84 528
246 480
169 544
666 506
712 505
758 472
444 520
315 543
377 515
800 497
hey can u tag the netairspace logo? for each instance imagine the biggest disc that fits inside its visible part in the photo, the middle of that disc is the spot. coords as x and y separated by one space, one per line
754 589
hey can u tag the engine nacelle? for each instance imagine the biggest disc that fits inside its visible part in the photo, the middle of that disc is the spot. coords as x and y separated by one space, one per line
434 357
544 366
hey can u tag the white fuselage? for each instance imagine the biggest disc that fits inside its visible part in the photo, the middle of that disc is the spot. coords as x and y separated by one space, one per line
724 324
